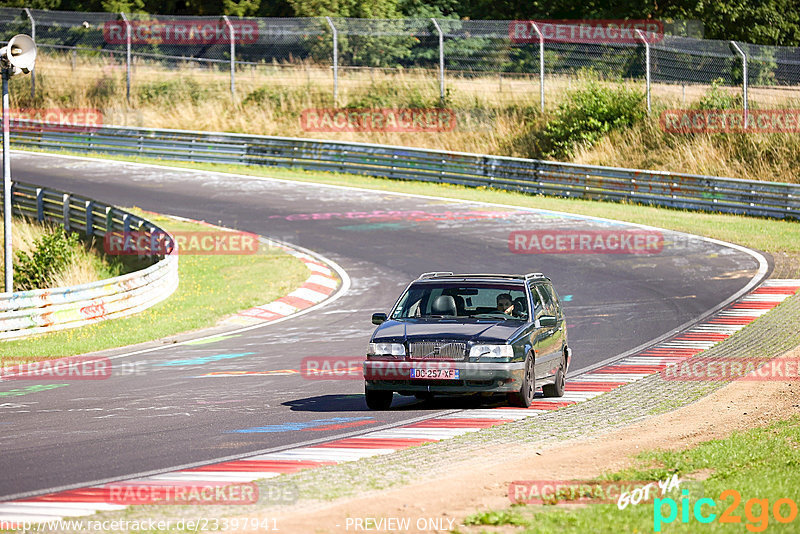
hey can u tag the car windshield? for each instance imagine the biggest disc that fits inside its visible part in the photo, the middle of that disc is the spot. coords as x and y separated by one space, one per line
479 301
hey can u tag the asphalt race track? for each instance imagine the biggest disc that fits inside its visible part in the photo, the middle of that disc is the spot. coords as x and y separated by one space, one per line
174 412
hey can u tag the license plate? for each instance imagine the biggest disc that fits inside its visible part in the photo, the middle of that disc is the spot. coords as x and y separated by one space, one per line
434 374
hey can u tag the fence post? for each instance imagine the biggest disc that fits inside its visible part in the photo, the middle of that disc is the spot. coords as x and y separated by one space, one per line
233 54
441 61
335 60
643 37
33 70
127 57
541 64
744 80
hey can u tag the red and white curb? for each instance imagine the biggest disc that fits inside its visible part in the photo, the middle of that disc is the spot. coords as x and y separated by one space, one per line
723 324
322 283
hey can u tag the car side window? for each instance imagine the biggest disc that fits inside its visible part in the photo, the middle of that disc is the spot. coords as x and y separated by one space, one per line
556 300
549 305
538 308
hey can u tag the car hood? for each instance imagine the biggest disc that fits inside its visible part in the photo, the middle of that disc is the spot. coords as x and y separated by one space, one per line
421 329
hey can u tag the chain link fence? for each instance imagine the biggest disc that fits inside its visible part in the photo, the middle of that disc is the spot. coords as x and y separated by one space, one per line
540 58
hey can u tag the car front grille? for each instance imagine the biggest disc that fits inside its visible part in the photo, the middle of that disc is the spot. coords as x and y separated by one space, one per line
437 350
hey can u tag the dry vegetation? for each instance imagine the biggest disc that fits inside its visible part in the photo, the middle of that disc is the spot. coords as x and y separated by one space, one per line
85 264
495 115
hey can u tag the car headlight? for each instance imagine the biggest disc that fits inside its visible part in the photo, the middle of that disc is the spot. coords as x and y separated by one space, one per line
387 349
492 352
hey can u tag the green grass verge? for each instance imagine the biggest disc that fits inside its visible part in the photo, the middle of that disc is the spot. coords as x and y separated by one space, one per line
211 287
758 233
760 463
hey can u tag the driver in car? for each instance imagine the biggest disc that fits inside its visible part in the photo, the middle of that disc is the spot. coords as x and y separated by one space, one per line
505 304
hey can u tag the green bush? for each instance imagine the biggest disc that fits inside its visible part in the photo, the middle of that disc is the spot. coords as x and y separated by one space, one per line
586 116
389 95
719 98
51 254
171 91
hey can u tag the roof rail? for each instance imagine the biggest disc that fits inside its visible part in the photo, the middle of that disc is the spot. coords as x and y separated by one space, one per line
531 276
474 275
434 274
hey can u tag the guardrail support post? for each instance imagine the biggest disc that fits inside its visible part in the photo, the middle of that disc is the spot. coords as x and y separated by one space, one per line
39 204
441 61
65 211
335 60
744 80
541 64
643 37
232 33
127 57
89 208
109 220
33 36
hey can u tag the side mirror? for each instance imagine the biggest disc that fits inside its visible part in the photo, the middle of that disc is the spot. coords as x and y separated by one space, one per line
378 318
547 320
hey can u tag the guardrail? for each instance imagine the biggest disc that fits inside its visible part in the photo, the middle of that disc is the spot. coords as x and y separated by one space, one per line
675 190
25 313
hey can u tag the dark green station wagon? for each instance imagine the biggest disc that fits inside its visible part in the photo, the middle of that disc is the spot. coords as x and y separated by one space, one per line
469 333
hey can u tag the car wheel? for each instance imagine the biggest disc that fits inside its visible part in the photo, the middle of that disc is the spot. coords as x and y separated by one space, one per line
524 397
557 388
378 399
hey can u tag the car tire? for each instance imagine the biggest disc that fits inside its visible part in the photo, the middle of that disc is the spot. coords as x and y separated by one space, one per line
524 397
557 388
378 399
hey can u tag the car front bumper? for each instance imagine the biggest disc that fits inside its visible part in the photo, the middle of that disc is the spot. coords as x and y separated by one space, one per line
493 377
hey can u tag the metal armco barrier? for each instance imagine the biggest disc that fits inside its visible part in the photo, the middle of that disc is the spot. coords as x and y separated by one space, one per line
25 313
660 188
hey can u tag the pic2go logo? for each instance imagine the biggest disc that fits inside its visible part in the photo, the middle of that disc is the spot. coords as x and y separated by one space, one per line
756 511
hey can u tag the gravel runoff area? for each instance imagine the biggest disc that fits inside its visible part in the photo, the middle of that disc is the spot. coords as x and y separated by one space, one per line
768 337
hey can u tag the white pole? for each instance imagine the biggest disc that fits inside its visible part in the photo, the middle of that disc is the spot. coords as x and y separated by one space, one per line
8 265
441 60
335 60
744 80
642 36
33 36
127 57
541 64
233 54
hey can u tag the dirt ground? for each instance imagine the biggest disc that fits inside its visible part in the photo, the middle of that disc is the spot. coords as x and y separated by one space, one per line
482 484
